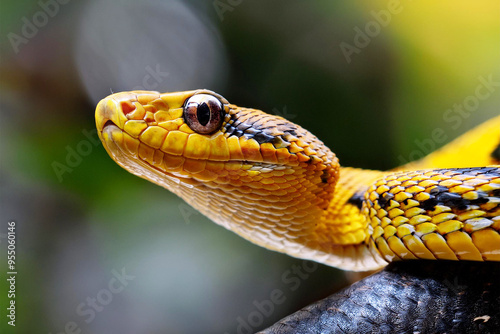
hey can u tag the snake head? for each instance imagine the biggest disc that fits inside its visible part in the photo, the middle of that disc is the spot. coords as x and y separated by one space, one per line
238 166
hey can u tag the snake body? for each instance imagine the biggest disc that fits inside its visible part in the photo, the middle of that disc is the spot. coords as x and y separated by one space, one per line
277 185
407 297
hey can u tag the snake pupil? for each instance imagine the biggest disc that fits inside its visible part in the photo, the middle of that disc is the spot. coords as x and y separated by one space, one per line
203 114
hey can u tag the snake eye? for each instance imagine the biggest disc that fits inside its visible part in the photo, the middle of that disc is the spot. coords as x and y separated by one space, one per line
203 113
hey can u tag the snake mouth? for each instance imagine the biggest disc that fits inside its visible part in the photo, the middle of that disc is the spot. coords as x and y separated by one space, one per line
108 123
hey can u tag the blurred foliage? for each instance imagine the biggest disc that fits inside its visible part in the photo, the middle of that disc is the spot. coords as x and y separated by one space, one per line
278 56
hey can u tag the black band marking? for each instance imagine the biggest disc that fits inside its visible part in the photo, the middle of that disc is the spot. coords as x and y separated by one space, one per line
357 199
260 130
440 195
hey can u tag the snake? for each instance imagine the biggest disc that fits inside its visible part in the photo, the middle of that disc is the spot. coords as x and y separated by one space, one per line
277 185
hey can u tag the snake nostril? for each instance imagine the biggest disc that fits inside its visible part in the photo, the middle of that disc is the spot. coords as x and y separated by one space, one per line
127 107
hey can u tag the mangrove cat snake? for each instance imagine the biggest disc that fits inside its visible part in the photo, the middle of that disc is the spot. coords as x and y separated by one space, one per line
277 185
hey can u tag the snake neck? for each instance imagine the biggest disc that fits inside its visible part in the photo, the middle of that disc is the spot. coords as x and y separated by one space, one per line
343 223
343 229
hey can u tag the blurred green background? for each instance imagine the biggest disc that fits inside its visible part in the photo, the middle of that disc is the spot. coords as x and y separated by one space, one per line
372 79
